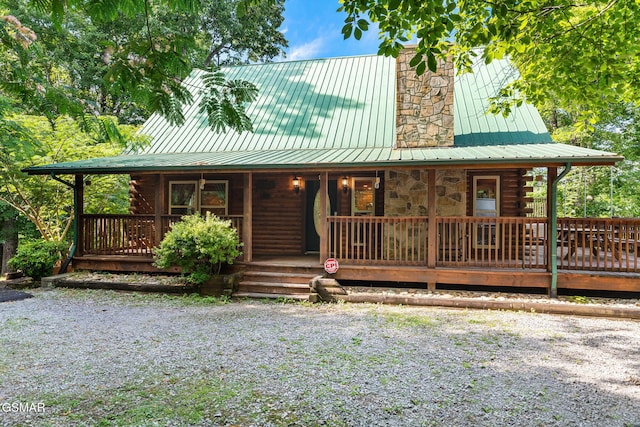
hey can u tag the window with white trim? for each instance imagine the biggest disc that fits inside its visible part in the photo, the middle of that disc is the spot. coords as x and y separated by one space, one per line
486 203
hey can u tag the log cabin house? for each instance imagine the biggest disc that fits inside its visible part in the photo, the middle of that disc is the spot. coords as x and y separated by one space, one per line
400 178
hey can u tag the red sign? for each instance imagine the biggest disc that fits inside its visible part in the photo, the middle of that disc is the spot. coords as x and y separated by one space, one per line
331 265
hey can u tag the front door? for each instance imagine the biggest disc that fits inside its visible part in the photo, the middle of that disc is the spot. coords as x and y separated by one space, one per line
312 212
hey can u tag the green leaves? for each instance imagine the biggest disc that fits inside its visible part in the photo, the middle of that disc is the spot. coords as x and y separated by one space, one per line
224 101
126 57
394 4
37 258
576 53
200 246
33 140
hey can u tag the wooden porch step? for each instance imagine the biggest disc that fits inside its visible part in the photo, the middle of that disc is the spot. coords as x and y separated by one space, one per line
272 287
284 268
277 277
261 295
258 281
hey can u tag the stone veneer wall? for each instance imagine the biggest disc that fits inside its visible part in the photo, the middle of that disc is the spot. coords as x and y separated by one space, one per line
424 104
406 192
451 192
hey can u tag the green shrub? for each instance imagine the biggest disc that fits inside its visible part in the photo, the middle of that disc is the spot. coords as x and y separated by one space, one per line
200 246
36 258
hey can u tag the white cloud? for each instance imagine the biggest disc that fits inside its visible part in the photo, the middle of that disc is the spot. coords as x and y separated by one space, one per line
309 50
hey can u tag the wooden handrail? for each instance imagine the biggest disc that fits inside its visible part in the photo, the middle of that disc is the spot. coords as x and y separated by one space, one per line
131 235
599 244
383 240
492 242
588 244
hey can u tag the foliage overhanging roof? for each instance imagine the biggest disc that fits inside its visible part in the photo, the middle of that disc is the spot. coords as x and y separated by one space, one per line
337 113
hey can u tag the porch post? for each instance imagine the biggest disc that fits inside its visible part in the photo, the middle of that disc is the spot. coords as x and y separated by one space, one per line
79 212
432 226
247 223
324 244
553 232
552 174
158 207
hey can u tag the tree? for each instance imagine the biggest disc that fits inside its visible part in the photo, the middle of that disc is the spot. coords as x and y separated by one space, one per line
8 236
44 201
125 58
600 191
584 54
232 38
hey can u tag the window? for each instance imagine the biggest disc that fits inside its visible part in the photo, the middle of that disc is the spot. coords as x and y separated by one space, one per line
213 197
363 199
182 197
187 197
486 203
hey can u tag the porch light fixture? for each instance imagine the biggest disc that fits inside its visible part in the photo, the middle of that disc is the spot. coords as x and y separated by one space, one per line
345 184
296 184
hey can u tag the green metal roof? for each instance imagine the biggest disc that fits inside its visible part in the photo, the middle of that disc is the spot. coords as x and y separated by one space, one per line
318 104
474 127
339 112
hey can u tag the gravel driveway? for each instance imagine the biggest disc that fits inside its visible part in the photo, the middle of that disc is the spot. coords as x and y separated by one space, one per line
76 357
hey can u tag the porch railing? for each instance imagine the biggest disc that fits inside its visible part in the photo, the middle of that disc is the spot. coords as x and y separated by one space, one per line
588 244
461 241
599 244
502 242
383 240
131 235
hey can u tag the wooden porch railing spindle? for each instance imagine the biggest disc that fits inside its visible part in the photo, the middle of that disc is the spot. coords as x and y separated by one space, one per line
588 244
131 235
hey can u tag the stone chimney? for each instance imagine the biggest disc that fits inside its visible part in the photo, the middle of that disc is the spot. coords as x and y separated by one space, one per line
424 104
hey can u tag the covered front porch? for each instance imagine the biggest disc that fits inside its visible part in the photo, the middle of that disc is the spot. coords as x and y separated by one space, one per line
588 253
425 226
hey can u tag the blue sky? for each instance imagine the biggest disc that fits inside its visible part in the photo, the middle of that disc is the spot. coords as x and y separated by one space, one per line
313 28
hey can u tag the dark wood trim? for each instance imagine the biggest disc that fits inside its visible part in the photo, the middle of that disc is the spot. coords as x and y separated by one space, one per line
552 174
599 281
119 263
324 245
247 229
79 184
159 204
432 229
506 278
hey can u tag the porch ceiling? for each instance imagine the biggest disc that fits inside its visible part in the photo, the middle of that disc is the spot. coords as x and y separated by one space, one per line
499 155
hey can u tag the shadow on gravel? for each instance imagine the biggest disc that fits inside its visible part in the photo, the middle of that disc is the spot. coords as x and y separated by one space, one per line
12 295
